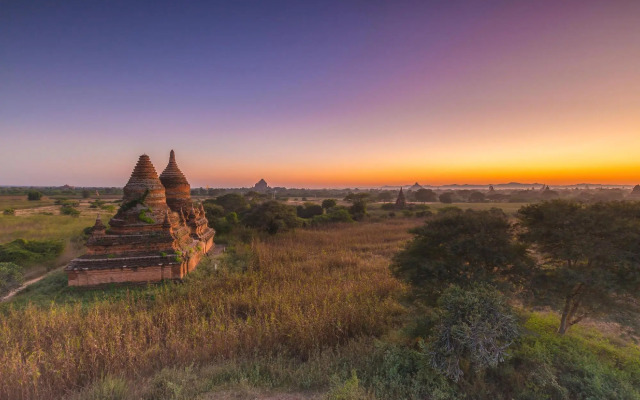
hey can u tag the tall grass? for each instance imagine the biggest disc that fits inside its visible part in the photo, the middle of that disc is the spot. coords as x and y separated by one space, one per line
300 293
42 227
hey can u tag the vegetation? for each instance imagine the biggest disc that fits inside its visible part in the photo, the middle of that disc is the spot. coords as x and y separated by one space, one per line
34 195
461 247
10 276
590 252
300 294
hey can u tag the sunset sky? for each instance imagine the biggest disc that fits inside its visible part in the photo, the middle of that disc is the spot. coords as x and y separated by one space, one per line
321 93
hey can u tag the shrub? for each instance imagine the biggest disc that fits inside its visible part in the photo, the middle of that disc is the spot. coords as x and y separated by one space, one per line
23 252
446 198
69 210
475 326
329 203
10 275
309 210
34 195
272 217
9 211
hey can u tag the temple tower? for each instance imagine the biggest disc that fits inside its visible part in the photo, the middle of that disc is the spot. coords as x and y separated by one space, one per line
401 202
177 187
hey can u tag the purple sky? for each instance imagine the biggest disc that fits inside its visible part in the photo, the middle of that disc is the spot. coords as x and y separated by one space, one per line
320 93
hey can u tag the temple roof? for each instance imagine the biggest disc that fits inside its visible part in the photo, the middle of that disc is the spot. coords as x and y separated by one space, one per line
144 179
172 176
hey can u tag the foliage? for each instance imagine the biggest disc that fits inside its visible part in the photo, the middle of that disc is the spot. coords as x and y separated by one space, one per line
446 197
142 216
475 328
9 211
272 217
10 276
309 210
349 390
135 202
590 250
334 215
298 300
329 203
477 197
34 195
86 193
232 202
28 252
424 195
69 210
461 247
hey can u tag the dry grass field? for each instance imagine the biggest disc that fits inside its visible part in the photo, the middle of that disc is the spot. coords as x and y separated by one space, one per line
290 295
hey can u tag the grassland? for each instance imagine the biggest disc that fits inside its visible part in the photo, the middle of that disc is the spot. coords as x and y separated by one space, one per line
21 202
294 295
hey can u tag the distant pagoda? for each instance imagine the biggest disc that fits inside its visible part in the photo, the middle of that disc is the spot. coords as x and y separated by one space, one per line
401 202
261 186
635 193
416 186
158 232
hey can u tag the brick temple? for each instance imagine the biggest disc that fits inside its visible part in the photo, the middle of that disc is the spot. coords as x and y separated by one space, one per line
158 232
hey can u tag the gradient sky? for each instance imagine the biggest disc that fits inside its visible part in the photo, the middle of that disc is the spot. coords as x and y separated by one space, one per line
321 93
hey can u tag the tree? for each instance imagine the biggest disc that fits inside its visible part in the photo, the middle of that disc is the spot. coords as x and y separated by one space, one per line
446 198
329 203
590 252
309 210
86 193
476 197
462 247
475 326
272 217
385 196
232 202
34 195
358 209
424 195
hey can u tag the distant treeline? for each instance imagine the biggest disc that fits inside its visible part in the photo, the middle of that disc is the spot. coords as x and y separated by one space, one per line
430 195
58 190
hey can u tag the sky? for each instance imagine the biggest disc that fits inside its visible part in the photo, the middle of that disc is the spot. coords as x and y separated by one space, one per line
321 93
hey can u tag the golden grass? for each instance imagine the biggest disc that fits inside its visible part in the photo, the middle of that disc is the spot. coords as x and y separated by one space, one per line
302 292
21 202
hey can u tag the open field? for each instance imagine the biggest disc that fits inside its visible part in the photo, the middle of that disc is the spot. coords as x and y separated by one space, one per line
300 293
21 202
42 227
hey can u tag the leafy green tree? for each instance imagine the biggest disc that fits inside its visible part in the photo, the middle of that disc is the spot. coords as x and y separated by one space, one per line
329 203
34 195
590 252
272 217
475 329
462 247
424 195
446 198
386 196
232 202
309 210
86 193
476 197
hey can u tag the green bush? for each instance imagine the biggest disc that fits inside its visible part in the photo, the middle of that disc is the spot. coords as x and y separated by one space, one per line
9 211
23 252
10 276
69 210
34 195
475 329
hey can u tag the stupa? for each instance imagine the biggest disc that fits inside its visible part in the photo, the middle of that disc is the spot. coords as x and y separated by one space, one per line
635 193
158 233
401 202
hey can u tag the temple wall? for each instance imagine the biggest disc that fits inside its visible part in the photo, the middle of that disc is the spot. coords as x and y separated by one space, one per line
118 275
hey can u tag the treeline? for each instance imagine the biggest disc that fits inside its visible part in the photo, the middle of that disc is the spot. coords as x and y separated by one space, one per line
36 192
434 195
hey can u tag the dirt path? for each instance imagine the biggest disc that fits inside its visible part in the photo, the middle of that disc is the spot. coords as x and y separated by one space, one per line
29 282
